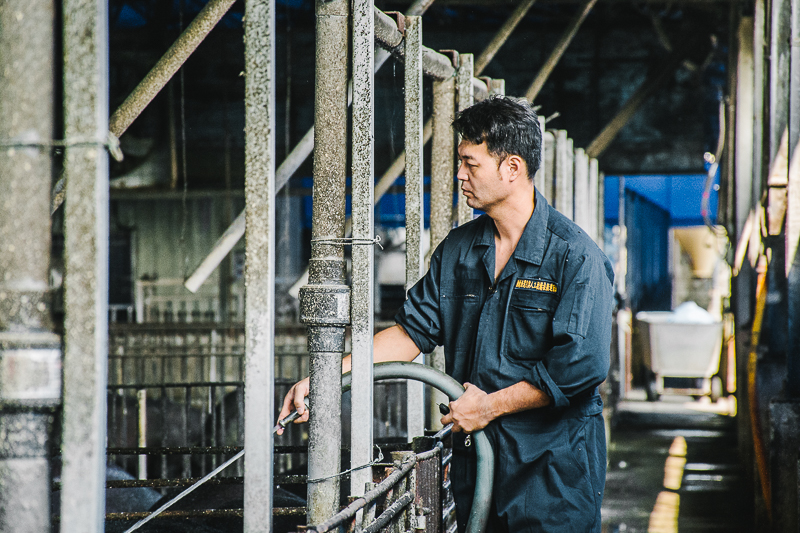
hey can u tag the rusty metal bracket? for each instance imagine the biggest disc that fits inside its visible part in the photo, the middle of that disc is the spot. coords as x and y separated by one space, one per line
453 55
399 19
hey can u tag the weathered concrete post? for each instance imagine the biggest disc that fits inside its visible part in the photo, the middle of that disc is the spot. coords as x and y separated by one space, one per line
466 97
564 171
325 301
259 272
30 353
443 146
86 280
549 166
362 313
582 201
415 260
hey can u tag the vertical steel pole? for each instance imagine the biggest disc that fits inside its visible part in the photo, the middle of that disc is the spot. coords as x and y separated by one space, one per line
465 99
415 260
86 297
443 147
362 310
563 174
325 301
30 355
582 201
595 201
259 28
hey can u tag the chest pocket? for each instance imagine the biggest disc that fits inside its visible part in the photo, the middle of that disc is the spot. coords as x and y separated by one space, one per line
460 308
529 330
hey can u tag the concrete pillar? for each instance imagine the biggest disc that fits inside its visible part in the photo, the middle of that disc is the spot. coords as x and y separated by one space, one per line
549 166
465 100
259 271
582 205
539 177
595 201
443 148
30 354
83 473
415 260
362 311
564 174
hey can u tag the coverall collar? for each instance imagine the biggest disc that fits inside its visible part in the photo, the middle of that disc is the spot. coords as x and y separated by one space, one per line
530 247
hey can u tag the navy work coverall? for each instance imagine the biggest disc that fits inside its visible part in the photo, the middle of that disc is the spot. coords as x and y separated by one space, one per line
545 320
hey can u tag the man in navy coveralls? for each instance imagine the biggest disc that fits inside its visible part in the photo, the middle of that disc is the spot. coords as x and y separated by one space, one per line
521 299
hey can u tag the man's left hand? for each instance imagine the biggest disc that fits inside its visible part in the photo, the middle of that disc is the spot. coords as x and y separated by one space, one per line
471 412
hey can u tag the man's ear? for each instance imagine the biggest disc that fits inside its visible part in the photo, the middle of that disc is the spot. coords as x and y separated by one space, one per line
516 167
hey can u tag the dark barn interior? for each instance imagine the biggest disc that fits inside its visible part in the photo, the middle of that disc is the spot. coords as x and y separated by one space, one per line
187 229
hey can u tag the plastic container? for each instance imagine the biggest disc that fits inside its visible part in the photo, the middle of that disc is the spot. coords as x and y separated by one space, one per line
681 349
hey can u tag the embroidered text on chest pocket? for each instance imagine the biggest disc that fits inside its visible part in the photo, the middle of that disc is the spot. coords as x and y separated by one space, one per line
529 333
581 309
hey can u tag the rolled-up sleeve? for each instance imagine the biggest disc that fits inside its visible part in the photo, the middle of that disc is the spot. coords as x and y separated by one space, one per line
420 315
579 359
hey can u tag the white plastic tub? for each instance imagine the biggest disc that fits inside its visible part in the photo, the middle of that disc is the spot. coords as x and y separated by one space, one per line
681 350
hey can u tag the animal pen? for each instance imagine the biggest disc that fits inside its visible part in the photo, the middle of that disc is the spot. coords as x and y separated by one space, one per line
168 402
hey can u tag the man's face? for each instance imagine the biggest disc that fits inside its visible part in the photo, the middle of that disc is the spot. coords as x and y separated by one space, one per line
482 182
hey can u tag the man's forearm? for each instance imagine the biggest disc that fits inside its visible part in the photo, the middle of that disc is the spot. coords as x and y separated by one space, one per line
391 344
475 409
519 397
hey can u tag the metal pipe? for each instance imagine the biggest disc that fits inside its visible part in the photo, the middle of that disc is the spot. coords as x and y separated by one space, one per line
414 209
260 208
86 297
465 99
30 355
324 302
558 51
363 256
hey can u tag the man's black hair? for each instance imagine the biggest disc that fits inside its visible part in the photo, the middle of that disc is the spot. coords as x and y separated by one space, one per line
508 126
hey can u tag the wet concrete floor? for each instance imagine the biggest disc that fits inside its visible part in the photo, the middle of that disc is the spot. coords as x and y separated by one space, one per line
673 467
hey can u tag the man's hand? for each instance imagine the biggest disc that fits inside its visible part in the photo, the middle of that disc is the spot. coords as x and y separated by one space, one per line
471 412
294 401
